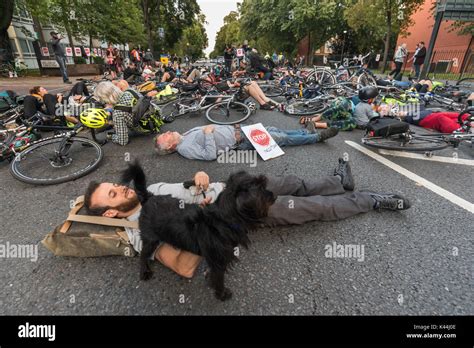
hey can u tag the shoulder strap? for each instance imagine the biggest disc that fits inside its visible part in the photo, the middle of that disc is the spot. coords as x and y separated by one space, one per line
90 219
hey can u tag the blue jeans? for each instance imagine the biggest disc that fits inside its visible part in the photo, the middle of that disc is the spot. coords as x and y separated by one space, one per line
283 138
62 66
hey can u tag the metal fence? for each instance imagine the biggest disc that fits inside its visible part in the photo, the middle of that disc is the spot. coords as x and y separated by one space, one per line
451 64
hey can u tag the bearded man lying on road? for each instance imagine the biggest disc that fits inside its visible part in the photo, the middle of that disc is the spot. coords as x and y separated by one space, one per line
298 201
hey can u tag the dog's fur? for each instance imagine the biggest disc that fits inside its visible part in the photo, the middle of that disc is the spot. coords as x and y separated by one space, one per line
212 231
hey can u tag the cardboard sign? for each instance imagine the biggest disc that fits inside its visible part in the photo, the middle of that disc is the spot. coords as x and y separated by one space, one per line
262 141
88 51
45 51
77 51
240 52
164 60
69 51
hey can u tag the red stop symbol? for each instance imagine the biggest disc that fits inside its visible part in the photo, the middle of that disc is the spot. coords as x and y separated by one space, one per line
260 137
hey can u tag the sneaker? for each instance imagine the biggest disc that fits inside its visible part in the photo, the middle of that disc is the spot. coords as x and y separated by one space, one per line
328 133
389 201
310 127
344 171
68 82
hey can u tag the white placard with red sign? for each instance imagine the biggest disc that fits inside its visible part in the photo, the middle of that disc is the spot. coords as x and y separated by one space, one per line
240 52
69 51
45 51
77 51
262 141
88 51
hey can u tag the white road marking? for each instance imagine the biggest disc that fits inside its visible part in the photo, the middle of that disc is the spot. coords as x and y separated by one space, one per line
416 178
443 159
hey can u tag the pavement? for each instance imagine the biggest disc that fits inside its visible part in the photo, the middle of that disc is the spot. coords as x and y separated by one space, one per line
416 262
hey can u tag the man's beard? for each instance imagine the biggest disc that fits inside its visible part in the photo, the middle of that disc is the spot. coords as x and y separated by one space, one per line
125 207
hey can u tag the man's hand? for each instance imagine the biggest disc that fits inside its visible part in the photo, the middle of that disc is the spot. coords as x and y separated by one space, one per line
205 201
201 180
208 129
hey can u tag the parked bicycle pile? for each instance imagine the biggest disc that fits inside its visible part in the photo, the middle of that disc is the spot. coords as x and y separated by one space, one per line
54 138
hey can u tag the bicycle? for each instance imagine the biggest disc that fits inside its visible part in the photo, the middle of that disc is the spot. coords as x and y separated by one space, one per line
221 109
412 142
17 69
56 159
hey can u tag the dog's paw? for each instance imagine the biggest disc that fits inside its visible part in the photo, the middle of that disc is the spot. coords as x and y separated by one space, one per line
224 295
146 275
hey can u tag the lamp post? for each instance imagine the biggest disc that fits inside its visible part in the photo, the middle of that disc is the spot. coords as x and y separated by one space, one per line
343 45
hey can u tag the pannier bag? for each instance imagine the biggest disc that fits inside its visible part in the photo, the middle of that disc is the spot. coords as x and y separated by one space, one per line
386 126
90 236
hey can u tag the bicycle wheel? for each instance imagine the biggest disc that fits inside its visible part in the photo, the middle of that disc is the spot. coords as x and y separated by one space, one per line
271 91
405 142
5 70
466 83
171 110
56 160
320 77
228 113
306 107
365 79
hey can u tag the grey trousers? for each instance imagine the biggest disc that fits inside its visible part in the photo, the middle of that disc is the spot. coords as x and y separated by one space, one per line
300 201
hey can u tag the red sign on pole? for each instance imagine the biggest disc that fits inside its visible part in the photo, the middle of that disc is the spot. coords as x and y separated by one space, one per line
69 51
77 51
45 51
88 51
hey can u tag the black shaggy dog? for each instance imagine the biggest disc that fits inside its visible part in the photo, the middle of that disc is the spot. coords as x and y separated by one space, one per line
212 231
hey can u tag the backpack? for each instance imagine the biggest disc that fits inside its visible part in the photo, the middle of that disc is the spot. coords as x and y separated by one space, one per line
146 118
386 126
90 236
7 100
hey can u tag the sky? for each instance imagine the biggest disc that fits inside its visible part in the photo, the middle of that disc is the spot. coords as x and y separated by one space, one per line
215 11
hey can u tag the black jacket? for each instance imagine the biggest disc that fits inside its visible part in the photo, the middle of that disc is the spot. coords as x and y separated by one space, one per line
420 57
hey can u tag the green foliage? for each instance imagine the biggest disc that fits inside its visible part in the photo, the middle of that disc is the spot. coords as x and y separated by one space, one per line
193 40
228 34
79 60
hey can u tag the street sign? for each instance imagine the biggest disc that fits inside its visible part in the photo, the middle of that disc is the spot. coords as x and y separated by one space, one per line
77 51
45 51
49 64
69 51
262 141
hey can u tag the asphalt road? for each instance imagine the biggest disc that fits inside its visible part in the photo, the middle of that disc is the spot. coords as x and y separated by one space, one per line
417 262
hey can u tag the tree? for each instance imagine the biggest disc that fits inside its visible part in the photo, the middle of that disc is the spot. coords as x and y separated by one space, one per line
228 34
383 19
171 15
291 21
193 40
6 9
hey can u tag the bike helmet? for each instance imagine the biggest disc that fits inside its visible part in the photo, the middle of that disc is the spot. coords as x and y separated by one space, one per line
94 118
146 87
368 92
